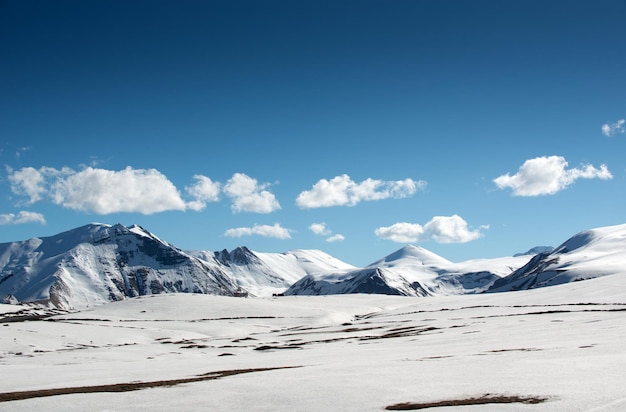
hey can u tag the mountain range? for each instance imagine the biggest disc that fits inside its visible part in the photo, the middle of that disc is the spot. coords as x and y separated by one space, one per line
98 263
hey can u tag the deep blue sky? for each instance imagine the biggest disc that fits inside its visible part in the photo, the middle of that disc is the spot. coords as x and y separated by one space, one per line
108 109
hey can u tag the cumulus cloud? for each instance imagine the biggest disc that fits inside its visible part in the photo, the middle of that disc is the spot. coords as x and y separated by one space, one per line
275 231
442 229
335 238
204 190
144 191
547 176
22 217
320 229
99 191
29 182
609 129
343 191
103 191
249 196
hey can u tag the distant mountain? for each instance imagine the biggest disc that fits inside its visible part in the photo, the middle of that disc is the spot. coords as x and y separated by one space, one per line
410 271
536 250
586 255
264 274
99 263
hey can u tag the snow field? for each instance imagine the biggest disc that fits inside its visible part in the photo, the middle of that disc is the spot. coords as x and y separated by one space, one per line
349 353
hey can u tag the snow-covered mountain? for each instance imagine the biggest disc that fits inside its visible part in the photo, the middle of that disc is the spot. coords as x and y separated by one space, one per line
264 274
586 255
536 250
100 263
411 271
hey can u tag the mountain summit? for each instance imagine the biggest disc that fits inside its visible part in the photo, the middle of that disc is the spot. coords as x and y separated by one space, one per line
411 271
99 263
586 255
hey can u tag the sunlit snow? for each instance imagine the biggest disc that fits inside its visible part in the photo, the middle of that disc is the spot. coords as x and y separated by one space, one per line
563 345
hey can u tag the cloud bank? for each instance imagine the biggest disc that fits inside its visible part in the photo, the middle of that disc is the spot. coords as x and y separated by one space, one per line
547 176
609 129
442 229
22 217
145 191
275 231
343 191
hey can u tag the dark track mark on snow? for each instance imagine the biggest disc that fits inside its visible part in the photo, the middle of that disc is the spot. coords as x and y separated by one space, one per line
482 400
129 386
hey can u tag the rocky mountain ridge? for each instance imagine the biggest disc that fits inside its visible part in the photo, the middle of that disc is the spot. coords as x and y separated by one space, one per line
98 263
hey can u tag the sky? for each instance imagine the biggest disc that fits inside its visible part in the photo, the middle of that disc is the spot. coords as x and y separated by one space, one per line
473 129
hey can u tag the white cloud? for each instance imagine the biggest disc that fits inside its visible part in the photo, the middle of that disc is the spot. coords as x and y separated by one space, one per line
609 129
103 191
547 176
320 229
335 238
401 232
451 229
203 190
442 229
144 191
22 217
98 190
343 191
28 181
275 231
248 196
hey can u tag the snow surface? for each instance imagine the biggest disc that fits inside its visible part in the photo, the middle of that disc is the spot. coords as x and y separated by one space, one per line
345 352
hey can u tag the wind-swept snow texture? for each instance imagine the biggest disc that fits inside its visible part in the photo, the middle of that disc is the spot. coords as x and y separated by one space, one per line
561 346
586 255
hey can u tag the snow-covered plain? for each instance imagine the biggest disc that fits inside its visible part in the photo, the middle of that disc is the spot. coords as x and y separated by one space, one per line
564 346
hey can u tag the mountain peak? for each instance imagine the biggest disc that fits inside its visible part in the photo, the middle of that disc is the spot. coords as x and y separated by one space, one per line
238 256
412 252
535 251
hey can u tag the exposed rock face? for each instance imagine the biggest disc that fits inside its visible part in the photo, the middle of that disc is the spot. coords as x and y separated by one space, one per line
100 263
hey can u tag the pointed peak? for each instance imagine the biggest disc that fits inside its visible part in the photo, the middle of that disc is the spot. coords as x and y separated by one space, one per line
414 253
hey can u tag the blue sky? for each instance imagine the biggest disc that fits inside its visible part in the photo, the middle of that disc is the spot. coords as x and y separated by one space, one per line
474 129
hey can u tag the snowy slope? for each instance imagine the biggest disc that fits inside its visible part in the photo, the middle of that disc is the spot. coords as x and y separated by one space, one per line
411 271
98 263
586 255
561 348
265 274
